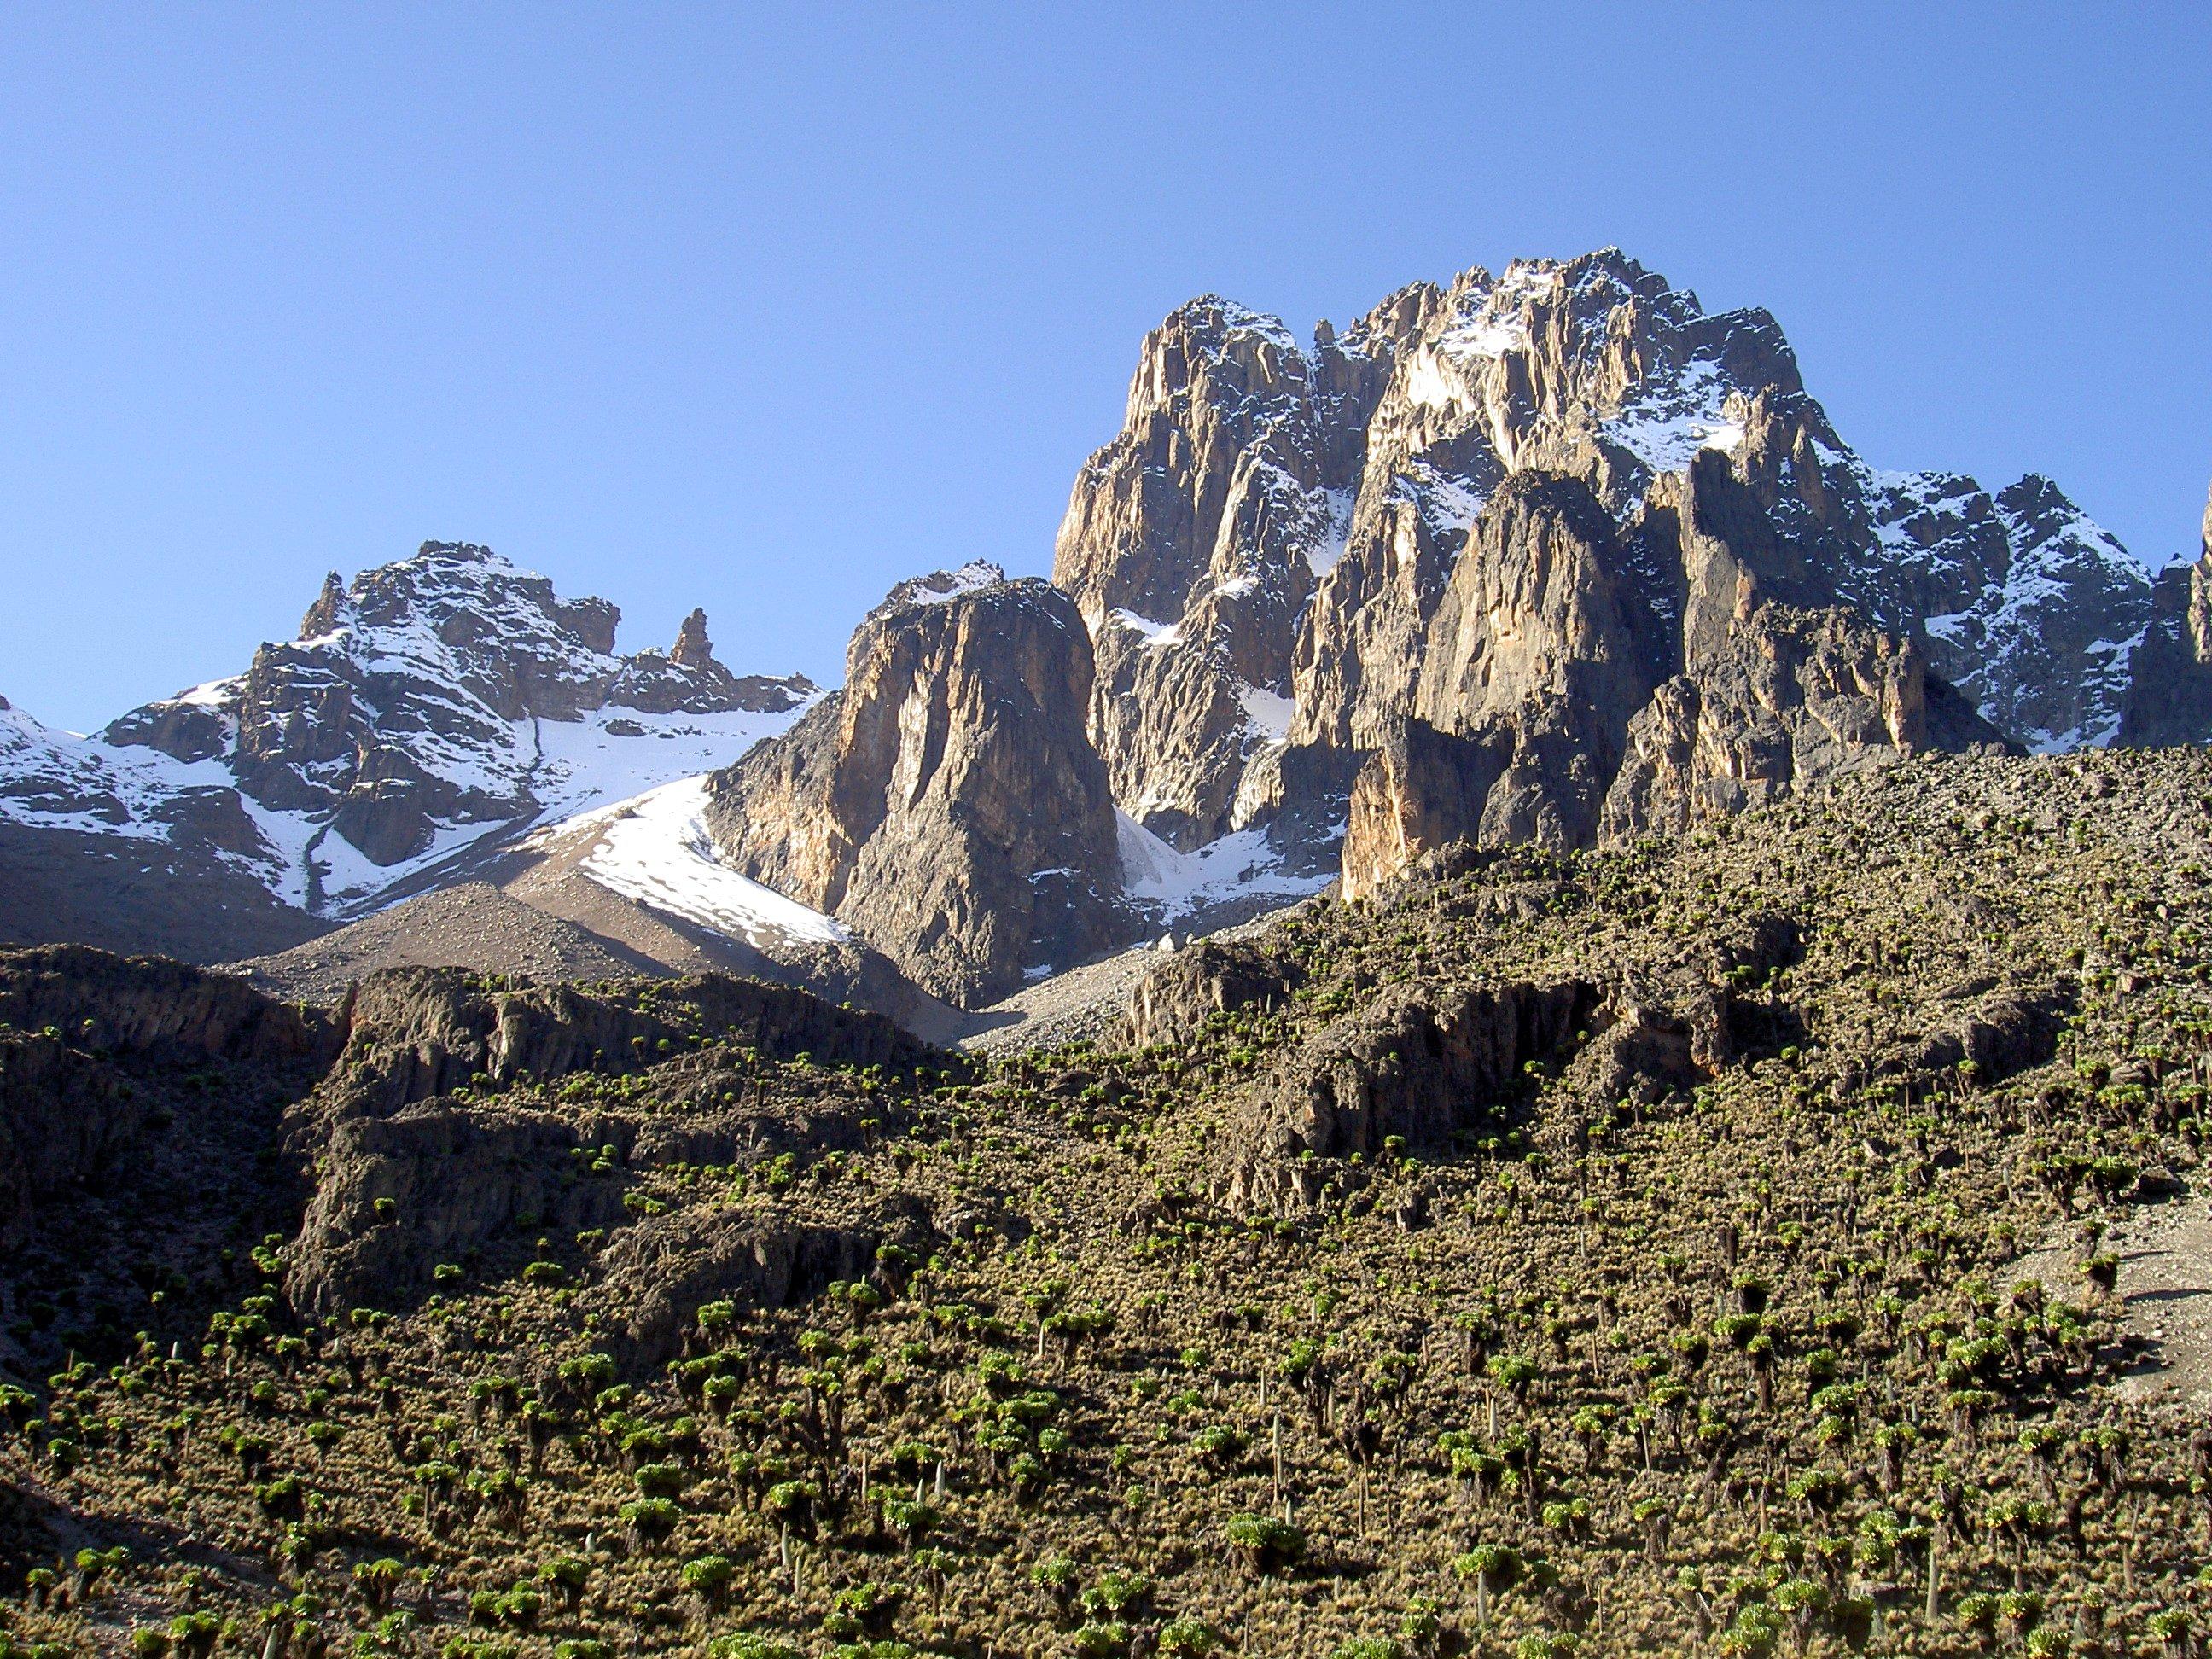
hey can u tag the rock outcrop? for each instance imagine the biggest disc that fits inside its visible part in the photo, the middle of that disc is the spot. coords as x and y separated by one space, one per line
98 1001
689 678
659 1272
432 1183
136 1089
946 804
1173 1002
1421 1063
412 1034
431 1142
1559 554
2169 697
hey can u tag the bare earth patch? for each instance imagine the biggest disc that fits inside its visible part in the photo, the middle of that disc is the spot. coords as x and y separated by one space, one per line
2165 1253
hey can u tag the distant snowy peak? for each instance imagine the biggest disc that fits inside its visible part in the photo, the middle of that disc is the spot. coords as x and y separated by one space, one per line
428 704
2030 606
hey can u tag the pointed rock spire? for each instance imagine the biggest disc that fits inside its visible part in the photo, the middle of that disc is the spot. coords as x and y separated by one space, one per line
693 649
327 611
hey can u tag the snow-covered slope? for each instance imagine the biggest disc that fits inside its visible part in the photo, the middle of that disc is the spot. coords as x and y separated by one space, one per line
2031 607
656 848
438 708
1174 887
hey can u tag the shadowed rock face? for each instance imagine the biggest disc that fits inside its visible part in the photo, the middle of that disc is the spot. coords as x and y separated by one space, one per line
1173 1002
1419 1064
139 1087
394 1125
415 1033
2170 689
659 1272
135 1004
947 803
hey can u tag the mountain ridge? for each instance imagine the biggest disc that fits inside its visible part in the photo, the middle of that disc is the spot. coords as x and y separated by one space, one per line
1553 554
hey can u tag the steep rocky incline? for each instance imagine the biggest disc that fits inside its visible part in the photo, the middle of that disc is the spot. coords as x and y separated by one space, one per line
947 803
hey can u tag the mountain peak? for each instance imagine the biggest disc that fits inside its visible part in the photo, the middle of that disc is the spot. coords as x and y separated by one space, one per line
942 586
328 611
692 648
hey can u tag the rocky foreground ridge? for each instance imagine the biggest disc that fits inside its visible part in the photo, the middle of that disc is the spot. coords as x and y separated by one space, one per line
1785 1237
1555 556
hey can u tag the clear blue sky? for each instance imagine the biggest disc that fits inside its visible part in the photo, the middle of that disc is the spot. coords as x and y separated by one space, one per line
763 308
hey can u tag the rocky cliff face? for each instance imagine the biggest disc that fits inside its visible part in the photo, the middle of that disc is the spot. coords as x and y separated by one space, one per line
946 804
1553 555
2170 673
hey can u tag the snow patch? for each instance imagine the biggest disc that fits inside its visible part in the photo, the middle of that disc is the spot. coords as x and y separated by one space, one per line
942 586
1324 555
1180 884
1156 634
1268 713
656 849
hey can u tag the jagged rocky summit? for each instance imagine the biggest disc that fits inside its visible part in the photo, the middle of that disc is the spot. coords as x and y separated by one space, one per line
436 700
946 804
1555 555
1548 555
2170 694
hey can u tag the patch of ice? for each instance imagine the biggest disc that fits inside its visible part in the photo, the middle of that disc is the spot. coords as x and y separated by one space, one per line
942 586
1268 713
1667 444
1448 502
1156 635
1428 387
583 763
656 849
1486 336
1324 555
213 695
1180 884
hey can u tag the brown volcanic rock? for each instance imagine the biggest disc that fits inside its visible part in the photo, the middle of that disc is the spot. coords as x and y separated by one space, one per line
1558 705
1790 699
947 803
1190 545
1714 485
133 1004
1542 649
1417 1064
1421 790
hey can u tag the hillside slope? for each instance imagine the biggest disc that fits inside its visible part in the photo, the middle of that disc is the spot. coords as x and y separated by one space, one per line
1699 1245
